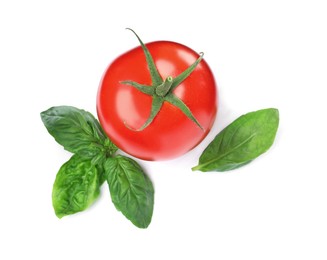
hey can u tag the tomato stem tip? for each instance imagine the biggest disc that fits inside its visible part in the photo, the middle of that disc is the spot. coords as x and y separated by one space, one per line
164 88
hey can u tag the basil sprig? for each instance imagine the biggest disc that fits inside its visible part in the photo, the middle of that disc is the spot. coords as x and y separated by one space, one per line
242 141
78 181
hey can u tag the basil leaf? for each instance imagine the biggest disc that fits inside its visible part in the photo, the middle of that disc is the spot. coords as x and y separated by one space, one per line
77 130
76 186
131 190
241 142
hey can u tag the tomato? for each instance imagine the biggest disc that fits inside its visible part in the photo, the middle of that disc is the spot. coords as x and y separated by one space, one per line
150 124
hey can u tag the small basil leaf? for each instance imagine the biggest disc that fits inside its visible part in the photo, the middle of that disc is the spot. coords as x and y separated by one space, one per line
76 186
241 142
131 190
77 130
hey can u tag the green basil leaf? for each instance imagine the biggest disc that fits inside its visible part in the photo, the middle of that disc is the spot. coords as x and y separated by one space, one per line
241 142
77 130
131 190
76 186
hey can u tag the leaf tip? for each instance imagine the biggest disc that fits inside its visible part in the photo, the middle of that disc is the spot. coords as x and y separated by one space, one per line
274 110
143 225
59 215
275 113
43 113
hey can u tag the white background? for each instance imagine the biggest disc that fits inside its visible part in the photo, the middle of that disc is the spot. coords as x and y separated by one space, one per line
263 54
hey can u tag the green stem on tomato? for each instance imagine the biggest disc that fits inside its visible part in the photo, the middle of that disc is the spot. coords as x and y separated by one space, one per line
162 91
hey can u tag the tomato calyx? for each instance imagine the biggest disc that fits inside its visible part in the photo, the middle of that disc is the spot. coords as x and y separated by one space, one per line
162 90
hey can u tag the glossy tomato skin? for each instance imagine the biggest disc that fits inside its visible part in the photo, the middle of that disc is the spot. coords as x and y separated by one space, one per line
122 108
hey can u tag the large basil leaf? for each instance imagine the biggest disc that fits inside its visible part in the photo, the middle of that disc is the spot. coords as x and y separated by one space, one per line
76 186
242 141
77 130
131 190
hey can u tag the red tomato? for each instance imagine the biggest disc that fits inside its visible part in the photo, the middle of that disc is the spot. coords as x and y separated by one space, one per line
123 109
